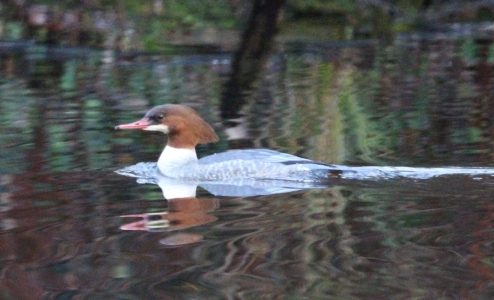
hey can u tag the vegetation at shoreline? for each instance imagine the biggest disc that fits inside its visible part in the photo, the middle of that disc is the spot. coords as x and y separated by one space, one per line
152 25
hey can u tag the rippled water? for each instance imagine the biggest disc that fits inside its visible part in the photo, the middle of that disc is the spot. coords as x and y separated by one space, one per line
72 228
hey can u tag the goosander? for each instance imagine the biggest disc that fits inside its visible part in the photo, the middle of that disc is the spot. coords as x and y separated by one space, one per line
186 129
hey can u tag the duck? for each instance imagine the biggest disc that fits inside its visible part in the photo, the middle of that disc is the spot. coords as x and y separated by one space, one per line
186 129
178 162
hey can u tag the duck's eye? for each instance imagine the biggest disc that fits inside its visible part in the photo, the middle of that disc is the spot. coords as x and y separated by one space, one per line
160 117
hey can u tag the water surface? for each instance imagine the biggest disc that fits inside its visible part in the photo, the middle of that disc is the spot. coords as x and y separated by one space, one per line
425 100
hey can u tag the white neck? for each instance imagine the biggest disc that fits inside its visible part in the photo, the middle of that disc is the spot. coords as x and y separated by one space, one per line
172 158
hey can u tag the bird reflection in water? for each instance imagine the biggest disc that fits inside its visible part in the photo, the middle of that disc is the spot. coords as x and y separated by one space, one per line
184 211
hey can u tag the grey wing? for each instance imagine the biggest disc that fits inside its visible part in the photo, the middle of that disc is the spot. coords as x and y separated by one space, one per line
264 155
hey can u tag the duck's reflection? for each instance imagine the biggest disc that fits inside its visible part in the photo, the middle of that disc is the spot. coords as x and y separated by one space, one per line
182 213
185 210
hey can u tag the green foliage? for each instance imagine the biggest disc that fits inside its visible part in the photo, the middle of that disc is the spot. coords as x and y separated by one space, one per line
187 13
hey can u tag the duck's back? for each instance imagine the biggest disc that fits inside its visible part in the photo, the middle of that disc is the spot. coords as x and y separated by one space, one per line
259 163
264 155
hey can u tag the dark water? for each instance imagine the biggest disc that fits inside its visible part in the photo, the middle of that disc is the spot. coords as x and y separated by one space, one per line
424 100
